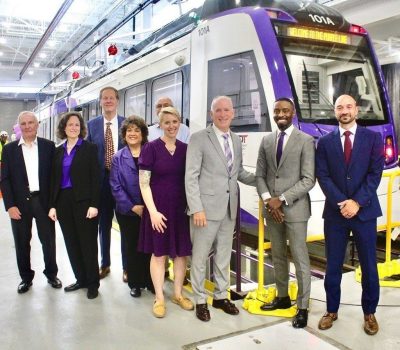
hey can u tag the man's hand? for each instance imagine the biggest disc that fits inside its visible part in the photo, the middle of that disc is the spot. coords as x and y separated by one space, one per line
349 208
199 219
14 213
277 215
273 203
138 209
53 214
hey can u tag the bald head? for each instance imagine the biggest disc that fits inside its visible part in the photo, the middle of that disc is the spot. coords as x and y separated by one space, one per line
346 111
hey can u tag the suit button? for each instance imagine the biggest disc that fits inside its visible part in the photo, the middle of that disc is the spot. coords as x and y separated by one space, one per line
27 198
277 176
227 191
348 177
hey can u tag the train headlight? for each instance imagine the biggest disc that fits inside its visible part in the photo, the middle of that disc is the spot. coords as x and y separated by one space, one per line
389 150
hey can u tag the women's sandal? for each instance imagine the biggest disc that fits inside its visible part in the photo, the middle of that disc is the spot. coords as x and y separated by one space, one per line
183 302
159 309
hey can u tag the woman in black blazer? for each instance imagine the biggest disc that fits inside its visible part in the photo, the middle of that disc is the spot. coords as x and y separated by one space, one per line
74 197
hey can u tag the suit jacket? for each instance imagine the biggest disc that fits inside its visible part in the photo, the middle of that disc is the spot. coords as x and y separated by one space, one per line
358 181
124 181
208 183
85 175
294 177
14 179
96 135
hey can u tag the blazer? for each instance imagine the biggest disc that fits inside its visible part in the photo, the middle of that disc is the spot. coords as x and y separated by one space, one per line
208 183
95 135
124 182
294 177
85 175
358 181
14 179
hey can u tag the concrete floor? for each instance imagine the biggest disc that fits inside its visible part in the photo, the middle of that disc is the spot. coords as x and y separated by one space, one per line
45 318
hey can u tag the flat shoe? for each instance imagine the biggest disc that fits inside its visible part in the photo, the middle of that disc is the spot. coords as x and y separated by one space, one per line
159 309
183 302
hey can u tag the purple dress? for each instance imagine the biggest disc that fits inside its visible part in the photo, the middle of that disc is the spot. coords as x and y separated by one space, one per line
167 185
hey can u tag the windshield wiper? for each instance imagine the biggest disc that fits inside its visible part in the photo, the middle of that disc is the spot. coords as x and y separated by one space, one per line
308 88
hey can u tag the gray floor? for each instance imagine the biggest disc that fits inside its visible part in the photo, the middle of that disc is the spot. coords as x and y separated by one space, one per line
45 318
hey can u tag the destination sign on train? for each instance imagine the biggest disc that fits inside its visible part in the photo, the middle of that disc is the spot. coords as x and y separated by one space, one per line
318 34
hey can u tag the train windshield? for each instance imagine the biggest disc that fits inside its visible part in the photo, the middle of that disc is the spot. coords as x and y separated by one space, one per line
324 68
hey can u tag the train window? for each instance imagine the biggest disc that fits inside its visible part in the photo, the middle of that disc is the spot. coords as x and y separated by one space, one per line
167 86
135 101
238 77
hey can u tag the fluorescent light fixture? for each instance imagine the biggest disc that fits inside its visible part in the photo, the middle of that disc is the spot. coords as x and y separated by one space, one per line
3 40
30 72
42 55
36 64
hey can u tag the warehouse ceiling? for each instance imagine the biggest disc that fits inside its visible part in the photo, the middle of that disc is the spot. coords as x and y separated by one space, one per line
40 38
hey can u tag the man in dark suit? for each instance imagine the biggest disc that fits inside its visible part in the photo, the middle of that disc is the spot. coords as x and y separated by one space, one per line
349 165
104 132
25 181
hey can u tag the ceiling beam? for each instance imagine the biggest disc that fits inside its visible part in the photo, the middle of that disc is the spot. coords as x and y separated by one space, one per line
53 24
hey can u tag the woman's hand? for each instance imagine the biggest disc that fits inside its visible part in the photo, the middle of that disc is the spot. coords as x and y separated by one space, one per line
53 214
157 221
92 213
138 210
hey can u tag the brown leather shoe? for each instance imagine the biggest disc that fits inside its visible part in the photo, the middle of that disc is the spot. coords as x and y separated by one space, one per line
226 306
125 276
202 312
104 271
326 321
371 326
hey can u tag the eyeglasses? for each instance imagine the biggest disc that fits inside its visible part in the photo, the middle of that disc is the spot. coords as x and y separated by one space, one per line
163 105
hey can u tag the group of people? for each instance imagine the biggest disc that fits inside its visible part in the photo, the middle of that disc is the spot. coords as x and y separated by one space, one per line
178 197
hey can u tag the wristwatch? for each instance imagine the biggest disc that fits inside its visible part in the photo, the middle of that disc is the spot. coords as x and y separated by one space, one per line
282 198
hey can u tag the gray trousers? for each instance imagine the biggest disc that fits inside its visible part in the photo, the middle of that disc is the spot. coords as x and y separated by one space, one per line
296 232
219 235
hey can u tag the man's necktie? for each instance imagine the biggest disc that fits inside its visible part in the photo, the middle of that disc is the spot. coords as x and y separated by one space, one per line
279 148
109 147
347 146
228 152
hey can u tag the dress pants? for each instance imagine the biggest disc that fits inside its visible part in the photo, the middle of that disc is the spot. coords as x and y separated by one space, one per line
217 235
336 238
22 232
80 235
296 232
106 214
138 263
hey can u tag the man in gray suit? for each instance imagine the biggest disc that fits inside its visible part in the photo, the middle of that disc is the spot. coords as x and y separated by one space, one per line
213 167
285 175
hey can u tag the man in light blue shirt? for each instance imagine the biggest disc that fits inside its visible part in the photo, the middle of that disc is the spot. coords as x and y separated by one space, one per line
155 131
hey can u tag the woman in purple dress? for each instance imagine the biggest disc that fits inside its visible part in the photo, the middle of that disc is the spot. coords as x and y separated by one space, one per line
165 226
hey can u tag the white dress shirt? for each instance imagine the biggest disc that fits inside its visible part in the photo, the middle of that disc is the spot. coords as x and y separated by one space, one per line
221 140
31 159
342 137
114 130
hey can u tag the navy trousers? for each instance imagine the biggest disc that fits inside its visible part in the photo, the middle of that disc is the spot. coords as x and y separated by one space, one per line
336 238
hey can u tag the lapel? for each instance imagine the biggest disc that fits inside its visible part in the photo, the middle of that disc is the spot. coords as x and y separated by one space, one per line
217 146
236 150
357 148
338 148
42 157
128 159
20 160
290 143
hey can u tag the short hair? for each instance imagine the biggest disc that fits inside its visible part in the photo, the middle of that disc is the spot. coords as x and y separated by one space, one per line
287 99
169 111
62 124
131 121
218 98
26 112
109 88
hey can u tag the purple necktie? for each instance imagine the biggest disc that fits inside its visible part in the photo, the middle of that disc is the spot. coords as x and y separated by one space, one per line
279 148
347 146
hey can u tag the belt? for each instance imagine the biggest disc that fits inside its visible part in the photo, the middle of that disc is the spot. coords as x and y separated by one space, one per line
34 193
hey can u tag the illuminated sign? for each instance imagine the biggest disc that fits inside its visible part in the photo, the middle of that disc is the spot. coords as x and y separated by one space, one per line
318 34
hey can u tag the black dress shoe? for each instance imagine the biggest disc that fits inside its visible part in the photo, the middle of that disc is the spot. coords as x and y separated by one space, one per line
202 312
226 306
24 286
151 289
55 282
278 303
301 318
74 286
92 293
136 292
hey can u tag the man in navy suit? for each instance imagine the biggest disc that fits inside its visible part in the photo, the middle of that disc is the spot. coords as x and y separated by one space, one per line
97 133
349 165
25 184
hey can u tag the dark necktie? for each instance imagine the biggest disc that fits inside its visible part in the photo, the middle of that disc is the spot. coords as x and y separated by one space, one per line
228 152
347 147
109 147
279 148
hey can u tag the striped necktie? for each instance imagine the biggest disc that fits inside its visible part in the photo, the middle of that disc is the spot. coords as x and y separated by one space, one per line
228 152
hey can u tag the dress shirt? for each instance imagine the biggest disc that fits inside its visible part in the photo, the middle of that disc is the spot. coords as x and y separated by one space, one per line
342 137
114 130
31 159
221 140
155 132
288 132
66 164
